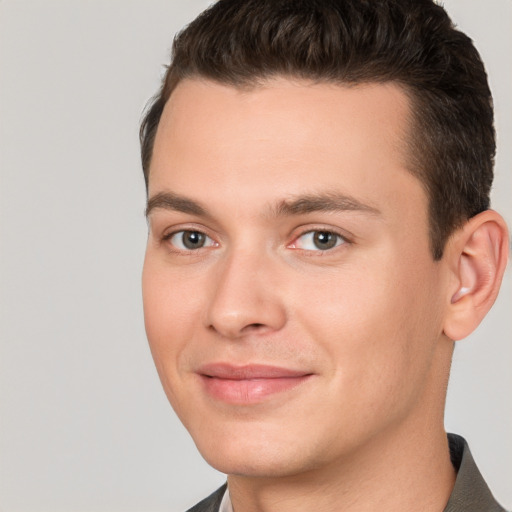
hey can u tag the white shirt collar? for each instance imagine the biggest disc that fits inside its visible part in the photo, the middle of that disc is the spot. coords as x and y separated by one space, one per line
225 504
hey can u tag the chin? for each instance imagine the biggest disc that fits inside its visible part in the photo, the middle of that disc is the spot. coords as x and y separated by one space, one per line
256 451
252 464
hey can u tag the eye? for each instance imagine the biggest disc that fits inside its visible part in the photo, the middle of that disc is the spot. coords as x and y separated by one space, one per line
318 241
190 240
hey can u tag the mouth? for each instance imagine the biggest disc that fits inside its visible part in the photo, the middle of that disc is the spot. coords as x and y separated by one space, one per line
249 384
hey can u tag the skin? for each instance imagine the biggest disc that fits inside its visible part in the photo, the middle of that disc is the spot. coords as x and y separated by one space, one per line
366 320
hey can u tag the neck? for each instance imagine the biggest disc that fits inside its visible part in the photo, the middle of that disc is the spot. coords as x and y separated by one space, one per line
393 472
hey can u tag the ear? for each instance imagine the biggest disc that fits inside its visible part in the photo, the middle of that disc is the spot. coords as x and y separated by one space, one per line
477 257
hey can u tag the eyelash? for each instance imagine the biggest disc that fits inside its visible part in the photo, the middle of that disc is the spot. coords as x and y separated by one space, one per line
340 241
169 236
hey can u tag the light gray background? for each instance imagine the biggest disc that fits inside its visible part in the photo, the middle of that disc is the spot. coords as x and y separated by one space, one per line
84 425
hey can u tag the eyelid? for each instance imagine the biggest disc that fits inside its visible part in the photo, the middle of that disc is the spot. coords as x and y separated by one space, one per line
175 230
169 230
319 229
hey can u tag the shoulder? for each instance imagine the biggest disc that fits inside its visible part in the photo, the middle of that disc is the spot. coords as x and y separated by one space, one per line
211 503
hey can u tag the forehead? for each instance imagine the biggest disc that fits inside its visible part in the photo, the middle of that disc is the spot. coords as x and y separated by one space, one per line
200 107
297 136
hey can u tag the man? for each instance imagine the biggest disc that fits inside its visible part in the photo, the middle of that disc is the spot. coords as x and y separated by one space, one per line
318 179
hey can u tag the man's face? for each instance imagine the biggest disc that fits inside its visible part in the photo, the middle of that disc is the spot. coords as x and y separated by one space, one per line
291 302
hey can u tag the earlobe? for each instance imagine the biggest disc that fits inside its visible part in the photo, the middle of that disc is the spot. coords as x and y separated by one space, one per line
478 253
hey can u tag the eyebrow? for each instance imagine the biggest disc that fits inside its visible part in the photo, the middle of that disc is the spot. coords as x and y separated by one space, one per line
310 203
324 202
175 202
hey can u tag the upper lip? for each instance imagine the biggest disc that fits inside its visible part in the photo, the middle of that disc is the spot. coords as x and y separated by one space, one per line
249 371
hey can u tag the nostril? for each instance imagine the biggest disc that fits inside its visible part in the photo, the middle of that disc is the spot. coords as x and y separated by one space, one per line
253 327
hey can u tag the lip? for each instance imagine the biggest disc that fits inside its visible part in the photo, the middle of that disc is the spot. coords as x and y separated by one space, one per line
248 384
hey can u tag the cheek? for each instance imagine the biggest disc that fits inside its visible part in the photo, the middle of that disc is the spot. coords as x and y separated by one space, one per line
169 308
170 300
377 326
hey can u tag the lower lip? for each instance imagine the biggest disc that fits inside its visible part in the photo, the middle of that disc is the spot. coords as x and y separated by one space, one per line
249 391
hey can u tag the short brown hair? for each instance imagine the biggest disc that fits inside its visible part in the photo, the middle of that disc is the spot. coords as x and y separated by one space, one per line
410 42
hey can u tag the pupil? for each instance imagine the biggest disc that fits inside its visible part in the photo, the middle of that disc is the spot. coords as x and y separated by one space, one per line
324 240
193 239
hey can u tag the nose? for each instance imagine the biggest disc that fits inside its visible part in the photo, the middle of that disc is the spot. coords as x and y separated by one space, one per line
245 297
